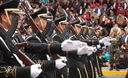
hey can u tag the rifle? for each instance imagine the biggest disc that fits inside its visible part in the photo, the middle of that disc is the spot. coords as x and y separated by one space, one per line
27 5
31 22
13 48
13 26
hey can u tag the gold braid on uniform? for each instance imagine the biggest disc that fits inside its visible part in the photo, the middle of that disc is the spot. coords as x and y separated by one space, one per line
49 48
85 69
42 63
66 53
43 66
8 72
80 76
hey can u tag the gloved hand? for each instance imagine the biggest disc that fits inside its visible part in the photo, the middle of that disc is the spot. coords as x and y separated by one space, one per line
98 46
107 44
106 39
86 50
112 39
60 63
35 70
69 45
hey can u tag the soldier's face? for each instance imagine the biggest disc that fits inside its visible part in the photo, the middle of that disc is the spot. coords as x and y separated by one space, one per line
41 23
85 30
61 27
98 33
5 20
90 31
77 29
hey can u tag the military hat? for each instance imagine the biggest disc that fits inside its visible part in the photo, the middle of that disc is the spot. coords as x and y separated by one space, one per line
9 5
47 16
85 26
75 22
78 25
83 23
90 27
63 22
40 11
60 20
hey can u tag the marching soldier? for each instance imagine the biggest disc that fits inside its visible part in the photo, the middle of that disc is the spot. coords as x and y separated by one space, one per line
10 64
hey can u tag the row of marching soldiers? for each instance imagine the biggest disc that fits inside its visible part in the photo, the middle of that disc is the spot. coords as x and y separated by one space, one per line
34 45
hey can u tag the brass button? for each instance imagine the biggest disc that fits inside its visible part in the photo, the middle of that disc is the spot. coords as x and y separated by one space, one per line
12 57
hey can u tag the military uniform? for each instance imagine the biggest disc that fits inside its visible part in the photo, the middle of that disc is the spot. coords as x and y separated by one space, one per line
115 48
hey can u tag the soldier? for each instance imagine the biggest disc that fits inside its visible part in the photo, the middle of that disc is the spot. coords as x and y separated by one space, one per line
115 48
10 64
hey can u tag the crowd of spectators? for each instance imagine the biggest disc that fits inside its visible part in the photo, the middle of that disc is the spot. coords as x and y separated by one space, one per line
104 13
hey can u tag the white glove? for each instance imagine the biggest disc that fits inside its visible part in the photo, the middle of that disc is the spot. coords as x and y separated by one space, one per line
69 45
60 63
112 39
107 44
105 39
63 57
35 70
86 50
98 46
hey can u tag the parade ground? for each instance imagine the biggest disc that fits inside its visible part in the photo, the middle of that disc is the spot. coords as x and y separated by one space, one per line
114 74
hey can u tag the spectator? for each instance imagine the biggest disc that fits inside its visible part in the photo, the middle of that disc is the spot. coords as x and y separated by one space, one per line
68 4
105 8
93 3
111 8
123 4
126 29
112 15
127 11
60 10
85 17
105 24
103 16
96 17
101 4
37 7
76 5
81 10
97 10
112 23
49 3
89 9
121 10
58 2
92 22
85 4
115 4
120 20
108 2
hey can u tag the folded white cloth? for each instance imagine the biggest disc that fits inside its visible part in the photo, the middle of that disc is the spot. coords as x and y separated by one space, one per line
71 45
60 63
35 70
